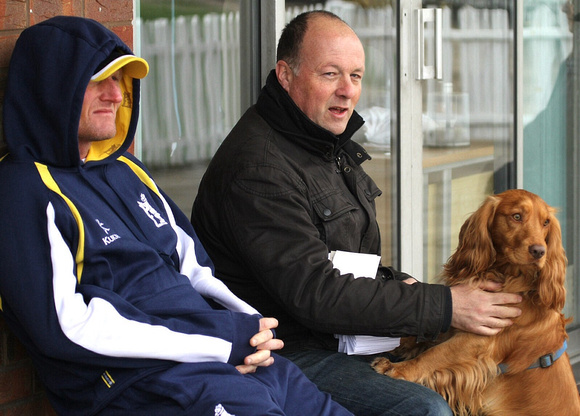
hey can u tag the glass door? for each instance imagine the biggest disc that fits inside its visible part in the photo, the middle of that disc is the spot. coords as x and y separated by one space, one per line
191 97
550 128
376 27
467 117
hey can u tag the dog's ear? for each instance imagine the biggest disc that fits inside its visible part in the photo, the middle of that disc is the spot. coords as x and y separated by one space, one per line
551 290
475 252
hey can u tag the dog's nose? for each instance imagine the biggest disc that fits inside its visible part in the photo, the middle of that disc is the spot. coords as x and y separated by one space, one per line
537 251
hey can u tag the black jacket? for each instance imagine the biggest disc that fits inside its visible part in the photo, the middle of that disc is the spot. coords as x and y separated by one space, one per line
279 194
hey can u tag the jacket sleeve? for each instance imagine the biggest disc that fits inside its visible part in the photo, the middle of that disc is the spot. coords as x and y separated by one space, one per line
281 247
41 297
193 257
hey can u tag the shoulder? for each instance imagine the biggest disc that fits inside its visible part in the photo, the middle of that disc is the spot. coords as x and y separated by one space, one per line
17 176
251 142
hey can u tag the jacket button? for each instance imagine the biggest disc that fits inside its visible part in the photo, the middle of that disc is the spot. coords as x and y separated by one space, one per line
347 169
327 212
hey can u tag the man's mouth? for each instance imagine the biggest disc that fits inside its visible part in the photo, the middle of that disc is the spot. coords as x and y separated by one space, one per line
105 111
338 110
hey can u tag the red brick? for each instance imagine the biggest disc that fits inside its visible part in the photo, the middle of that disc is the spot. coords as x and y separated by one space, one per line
125 33
6 46
13 14
110 10
72 7
41 10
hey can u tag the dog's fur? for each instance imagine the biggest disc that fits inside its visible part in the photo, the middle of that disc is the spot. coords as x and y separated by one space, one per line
513 238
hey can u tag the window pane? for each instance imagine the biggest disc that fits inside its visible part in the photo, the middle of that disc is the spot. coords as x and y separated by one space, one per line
467 121
190 99
376 28
550 133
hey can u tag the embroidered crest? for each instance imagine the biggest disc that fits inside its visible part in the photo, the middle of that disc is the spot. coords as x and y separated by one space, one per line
151 212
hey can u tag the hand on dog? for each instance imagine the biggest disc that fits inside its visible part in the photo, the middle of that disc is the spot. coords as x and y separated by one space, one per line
264 342
483 310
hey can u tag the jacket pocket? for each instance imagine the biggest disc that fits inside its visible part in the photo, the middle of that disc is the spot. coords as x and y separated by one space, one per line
339 221
369 188
333 206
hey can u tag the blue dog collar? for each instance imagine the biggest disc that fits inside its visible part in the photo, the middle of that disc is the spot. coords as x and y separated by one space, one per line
544 361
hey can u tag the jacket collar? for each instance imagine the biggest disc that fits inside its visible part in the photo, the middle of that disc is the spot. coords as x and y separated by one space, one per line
283 115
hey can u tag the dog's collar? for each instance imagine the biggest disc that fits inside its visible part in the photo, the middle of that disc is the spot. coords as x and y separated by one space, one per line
544 361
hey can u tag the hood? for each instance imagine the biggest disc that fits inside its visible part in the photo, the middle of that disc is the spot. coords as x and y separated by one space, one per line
51 66
283 115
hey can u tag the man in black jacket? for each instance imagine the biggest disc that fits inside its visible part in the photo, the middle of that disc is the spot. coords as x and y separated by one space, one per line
286 188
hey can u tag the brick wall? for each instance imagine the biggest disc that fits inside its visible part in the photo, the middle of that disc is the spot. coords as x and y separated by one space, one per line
20 390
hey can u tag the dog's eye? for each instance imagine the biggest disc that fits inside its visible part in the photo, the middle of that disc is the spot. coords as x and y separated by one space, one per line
517 217
546 223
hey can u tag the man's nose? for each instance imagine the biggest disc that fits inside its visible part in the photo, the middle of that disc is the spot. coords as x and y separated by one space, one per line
112 91
346 88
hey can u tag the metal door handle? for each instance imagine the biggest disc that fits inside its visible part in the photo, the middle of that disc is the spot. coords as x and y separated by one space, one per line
434 71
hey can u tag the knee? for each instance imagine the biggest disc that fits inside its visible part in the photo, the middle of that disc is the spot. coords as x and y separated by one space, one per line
430 403
439 407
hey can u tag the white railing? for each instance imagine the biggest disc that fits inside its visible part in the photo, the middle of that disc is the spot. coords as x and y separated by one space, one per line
191 98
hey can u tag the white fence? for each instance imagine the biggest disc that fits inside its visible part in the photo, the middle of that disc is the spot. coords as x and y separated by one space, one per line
191 98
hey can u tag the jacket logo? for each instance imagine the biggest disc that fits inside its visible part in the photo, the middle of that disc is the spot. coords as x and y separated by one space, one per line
109 238
220 411
151 213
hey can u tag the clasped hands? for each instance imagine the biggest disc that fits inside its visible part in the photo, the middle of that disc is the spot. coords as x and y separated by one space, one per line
264 342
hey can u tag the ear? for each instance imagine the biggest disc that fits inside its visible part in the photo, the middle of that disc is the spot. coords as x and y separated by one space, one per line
551 290
475 252
284 74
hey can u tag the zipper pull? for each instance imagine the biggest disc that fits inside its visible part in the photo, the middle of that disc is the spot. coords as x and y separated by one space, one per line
338 160
341 166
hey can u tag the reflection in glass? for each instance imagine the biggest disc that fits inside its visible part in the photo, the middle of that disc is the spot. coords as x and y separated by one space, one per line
468 127
550 137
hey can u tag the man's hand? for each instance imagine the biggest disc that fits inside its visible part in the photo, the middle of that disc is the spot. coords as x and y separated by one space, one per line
482 310
264 342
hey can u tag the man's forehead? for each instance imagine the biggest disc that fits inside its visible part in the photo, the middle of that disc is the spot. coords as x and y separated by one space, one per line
334 51
324 25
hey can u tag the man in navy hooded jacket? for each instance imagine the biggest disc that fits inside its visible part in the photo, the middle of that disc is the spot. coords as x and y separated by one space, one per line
102 278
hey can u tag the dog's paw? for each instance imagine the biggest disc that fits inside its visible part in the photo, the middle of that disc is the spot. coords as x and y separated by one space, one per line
382 365
386 367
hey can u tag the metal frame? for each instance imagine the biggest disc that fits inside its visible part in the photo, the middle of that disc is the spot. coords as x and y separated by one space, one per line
409 149
261 22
